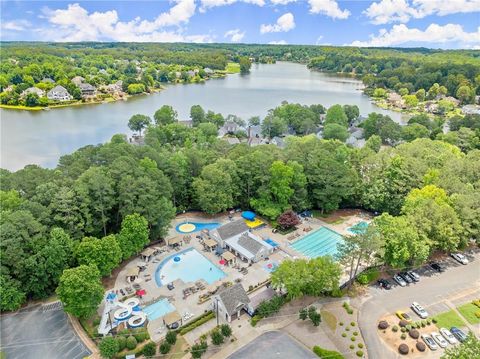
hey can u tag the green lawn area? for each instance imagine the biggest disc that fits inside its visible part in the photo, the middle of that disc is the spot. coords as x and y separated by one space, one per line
330 319
449 319
176 351
468 311
232 68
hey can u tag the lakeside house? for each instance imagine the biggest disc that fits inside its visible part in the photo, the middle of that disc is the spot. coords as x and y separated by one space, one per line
34 90
87 89
47 80
396 100
278 141
230 301
471 110
59 93
77 80
229 127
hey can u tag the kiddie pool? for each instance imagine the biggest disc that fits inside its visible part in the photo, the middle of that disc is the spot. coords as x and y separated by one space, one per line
191 227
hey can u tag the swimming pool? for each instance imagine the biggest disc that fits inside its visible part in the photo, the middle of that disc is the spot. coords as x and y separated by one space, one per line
158 309
197 226
190 267
321 242
358 228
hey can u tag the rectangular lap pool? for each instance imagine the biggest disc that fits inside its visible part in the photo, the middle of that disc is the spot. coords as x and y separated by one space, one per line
158 309
321 242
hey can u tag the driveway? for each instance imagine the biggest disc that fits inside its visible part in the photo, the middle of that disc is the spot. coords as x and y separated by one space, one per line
40 332
431 292
273 345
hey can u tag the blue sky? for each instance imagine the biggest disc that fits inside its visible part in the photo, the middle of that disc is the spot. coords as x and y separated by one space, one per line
403 23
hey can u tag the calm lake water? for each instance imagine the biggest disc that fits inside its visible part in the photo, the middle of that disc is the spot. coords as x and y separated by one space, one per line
41 137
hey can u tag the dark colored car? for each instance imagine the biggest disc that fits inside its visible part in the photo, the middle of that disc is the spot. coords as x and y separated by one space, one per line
383 283
459 334
436 266
406 277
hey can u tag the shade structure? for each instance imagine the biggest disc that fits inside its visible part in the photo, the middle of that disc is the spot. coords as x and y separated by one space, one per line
171 318
228 256
210 243
249 215
141 292
174 240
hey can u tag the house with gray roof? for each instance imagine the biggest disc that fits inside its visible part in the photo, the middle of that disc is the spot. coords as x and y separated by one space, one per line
228 230
278 141
87 89
77 80
59 93
249 247
34 90
228 127
229 302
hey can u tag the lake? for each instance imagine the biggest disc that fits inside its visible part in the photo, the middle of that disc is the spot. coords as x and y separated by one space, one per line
41 137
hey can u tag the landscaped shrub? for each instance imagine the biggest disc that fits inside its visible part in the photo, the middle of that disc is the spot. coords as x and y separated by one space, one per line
303 314
226 330
352 346
477 314
352 324
403 349
353 339
217 337
395 329
344 335
340 323
149 349
408 327
165 347
122 342
269 307
347 329
198 350
255 319
423 324
403 329
434 320
131 342
403 323
347 308
140 335
327 354
414 333
368 276
360 345
420 346
429 322
383 325
171 337
197 322
359 353
108 347
355 333
403 336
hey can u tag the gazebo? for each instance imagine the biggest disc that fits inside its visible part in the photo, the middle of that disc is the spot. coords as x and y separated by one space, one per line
175 241
147 254
229 257
172 320
131 274
210 244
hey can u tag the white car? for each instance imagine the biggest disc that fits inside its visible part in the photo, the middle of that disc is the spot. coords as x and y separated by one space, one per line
430 342
442 343
399 280
417 308
448 336
460 258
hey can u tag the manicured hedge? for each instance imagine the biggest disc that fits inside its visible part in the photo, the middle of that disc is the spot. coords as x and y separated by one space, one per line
196 323
327 354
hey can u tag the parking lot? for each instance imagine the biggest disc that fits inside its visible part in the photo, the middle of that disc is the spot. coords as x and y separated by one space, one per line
434 291
40 332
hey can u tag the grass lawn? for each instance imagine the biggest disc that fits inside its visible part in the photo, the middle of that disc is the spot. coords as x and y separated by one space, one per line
232 68
177 350
468 311
449 319
330 319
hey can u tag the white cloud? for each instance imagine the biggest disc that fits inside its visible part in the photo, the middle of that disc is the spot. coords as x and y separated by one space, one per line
387 11
279 42
284 23
433 34
207 4
76 24
282 2
15 25
235 35
329 8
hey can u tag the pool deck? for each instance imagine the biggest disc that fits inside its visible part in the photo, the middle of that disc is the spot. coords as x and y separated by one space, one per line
256 272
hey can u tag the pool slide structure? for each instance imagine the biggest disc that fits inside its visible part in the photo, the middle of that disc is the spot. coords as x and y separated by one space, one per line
128 310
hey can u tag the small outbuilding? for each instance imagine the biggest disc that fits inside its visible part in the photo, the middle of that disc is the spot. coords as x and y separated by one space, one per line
210 244
230 301
132 274
229 257
147 254
173 320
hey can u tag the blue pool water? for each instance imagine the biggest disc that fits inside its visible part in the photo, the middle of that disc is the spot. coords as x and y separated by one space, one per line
191 267
358 228
271 242
158 309
198 226
321 242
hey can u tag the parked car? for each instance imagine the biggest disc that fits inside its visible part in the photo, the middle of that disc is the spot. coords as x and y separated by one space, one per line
459 334
414 275
403 316
406 277
460 258
430 342
421 312
448 336
399 280
383 283
436 266
442 343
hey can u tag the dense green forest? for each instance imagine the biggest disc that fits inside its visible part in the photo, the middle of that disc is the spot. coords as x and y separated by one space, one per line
424 73
103 203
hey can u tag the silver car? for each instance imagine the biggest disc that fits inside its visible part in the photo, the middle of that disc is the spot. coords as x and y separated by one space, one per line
417 308
460 258
442 343
448 336
399 280
430 342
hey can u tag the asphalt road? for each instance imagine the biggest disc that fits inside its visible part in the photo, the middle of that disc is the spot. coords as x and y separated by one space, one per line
431 292
40 332
273 345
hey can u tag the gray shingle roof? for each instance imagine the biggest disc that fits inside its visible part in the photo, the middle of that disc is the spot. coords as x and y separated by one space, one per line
232 229
249 244
234 298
